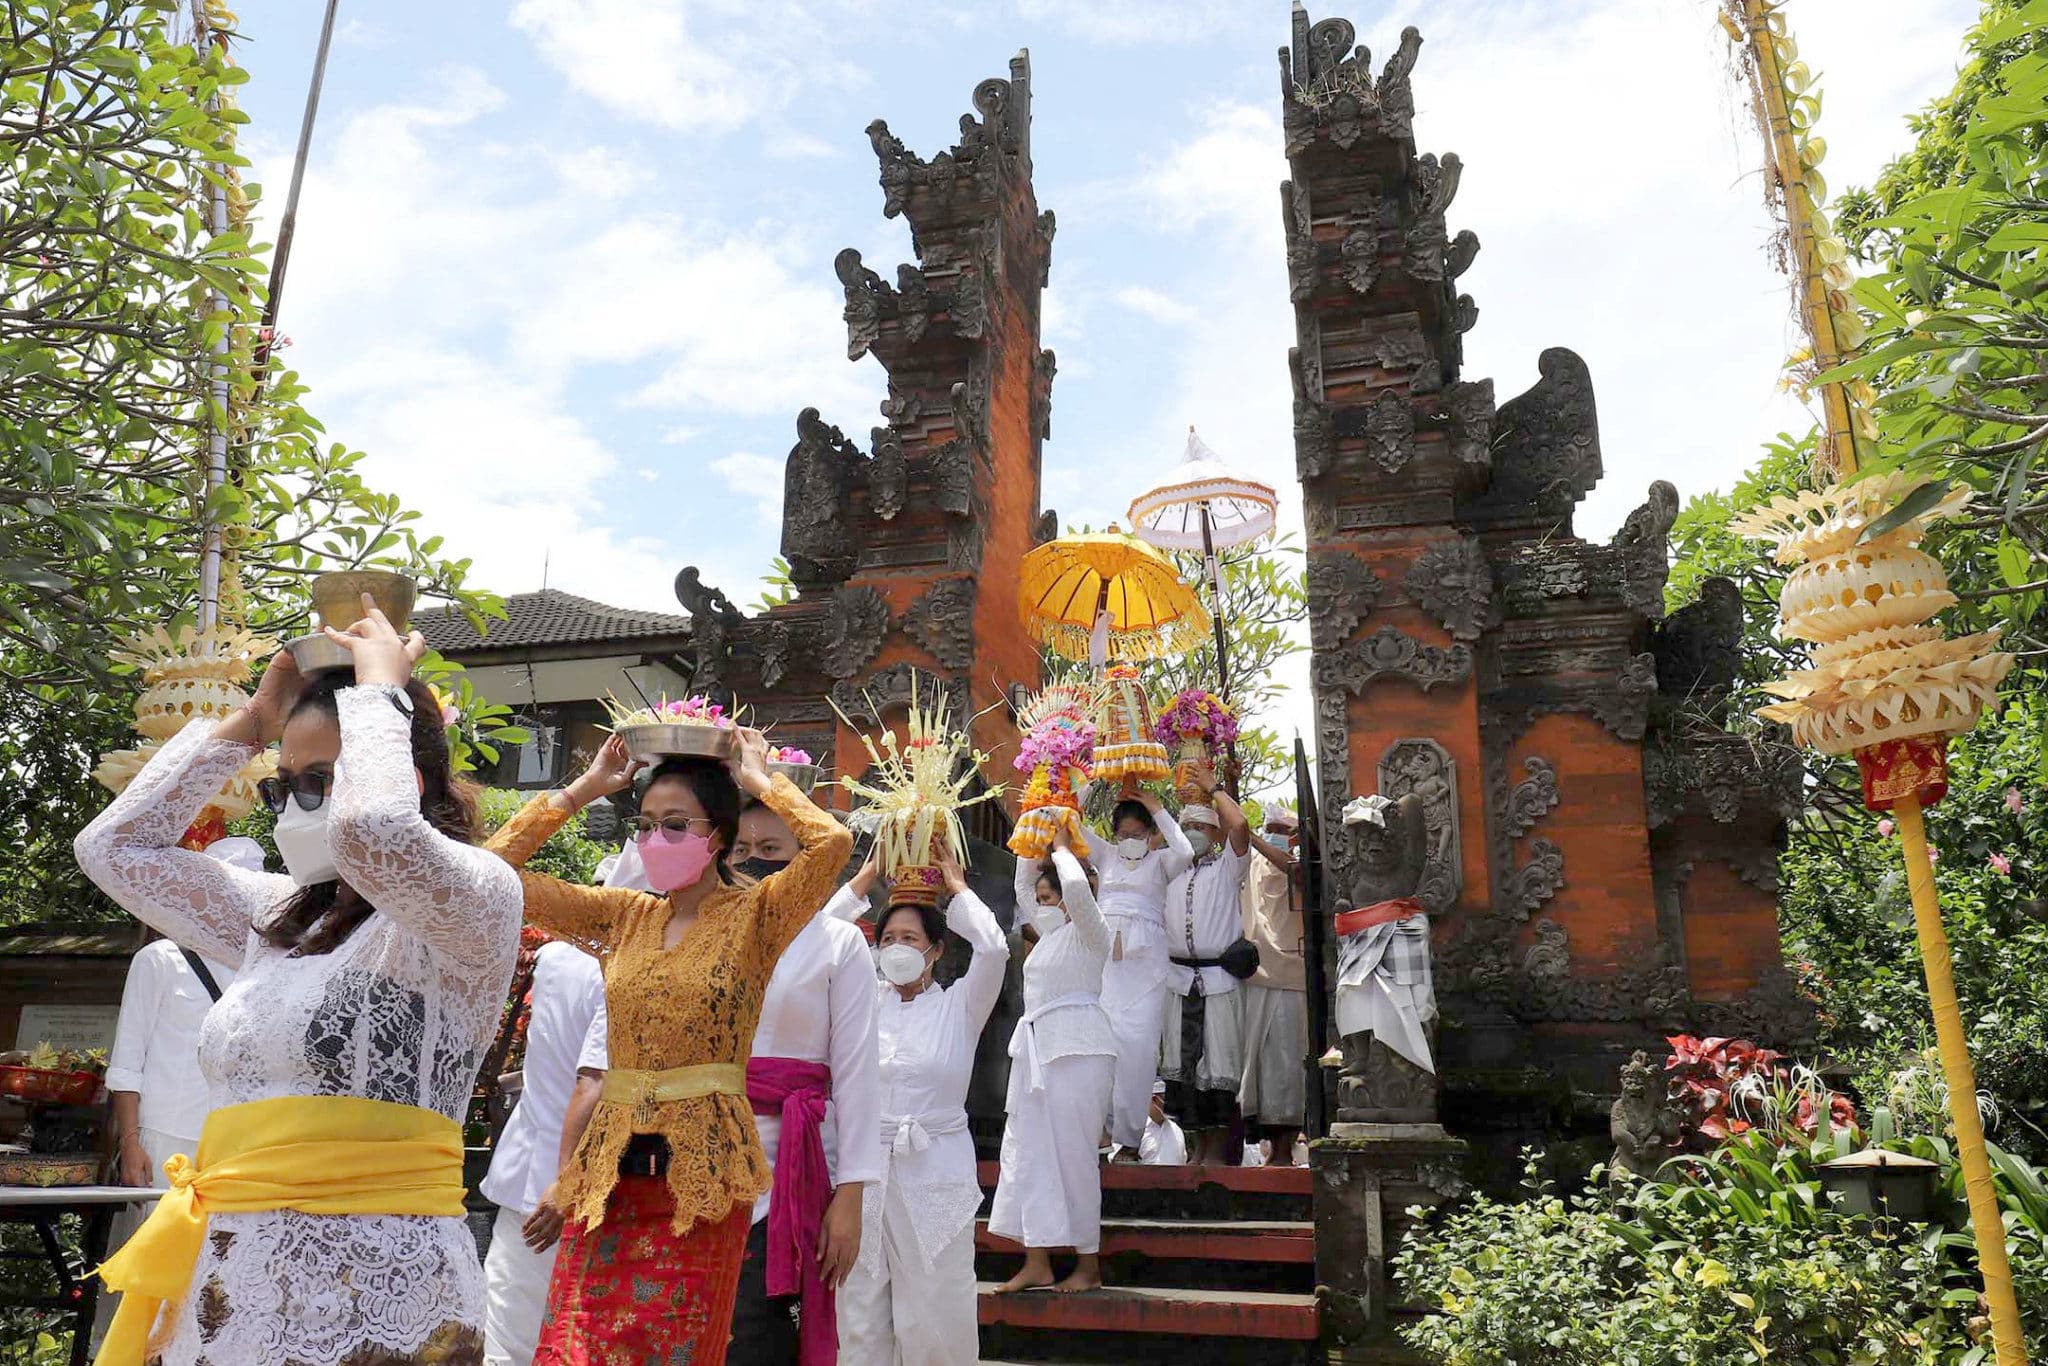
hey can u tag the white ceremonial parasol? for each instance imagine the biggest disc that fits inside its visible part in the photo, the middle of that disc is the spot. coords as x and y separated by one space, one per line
1205 505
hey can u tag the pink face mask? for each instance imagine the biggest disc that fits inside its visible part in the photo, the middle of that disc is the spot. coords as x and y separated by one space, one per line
673 861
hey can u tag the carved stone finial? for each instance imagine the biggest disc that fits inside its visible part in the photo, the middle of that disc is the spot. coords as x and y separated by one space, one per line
817 484
1546 449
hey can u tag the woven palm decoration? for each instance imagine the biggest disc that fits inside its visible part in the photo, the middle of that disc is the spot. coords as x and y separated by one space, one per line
1058 750
192 676
914 790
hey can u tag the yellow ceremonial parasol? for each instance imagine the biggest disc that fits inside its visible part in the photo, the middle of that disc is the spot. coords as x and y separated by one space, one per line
1104 594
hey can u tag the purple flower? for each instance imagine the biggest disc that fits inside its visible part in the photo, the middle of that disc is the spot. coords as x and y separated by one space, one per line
2014 802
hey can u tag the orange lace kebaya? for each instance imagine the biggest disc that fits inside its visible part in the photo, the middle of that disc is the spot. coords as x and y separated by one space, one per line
694 1004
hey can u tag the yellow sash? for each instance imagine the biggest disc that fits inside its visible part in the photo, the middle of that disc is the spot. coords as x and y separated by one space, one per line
316 1154
626 1086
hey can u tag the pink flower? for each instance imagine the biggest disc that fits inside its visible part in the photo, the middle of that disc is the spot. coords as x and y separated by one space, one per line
2013 801
2001 865
1933 854
1884 828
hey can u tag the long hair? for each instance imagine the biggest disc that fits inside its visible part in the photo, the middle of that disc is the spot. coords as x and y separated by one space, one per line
712 785
319 918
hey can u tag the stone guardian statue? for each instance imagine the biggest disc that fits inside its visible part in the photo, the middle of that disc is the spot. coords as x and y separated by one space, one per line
1386 1000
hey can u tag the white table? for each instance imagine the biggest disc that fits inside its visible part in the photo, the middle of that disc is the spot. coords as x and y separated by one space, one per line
43 1209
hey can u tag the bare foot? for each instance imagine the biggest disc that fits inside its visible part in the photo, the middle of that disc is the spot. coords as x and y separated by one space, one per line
1082 1278
1030 1278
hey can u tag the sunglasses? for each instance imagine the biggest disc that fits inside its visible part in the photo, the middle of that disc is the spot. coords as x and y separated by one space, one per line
309 790
644 826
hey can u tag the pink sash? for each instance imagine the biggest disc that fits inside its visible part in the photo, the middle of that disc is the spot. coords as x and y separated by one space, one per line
797 1092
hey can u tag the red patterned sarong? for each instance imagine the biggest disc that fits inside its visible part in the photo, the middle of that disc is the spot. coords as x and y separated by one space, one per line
633 1290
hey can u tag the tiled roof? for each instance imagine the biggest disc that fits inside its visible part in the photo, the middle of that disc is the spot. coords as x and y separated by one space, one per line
549 617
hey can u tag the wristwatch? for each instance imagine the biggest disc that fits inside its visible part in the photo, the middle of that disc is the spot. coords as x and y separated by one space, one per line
400 698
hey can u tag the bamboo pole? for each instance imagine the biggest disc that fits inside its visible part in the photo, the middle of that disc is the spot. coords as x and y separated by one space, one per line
1987 1223
210 554
1839 435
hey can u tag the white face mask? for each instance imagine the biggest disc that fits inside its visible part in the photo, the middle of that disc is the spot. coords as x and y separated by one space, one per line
301 838
1046 919
899 964
1201 842
1134 849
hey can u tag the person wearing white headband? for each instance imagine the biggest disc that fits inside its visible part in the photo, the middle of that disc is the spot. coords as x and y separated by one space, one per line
1202 1015
1062 1069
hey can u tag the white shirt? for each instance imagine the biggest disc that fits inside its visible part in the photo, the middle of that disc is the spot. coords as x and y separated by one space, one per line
1163 1145
925 1049
1132 893
1066 962
567 996
156 1042
820 1007
1203 918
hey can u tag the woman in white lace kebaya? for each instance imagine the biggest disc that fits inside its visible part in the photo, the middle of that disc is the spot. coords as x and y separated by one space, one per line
375 968
910 1300
1062 1067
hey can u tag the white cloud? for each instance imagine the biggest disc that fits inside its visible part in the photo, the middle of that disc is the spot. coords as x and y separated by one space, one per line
789 145
1152 304
599 172
755 477
1136 21
706 67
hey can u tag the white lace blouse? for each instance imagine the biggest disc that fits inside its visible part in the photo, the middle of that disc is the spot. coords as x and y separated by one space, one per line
402 1011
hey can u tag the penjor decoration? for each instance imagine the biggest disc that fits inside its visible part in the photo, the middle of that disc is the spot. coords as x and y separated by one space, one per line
192 676
1058 751
1125 750
914 790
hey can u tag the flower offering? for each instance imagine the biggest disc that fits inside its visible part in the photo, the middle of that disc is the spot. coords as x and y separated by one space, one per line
913 791
1058 751
1196 726
1125 748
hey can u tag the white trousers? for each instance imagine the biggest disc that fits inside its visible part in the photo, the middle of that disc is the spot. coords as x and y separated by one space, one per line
1134 997
1049 1191
515 1292
1275 1050
159 1145
933 1322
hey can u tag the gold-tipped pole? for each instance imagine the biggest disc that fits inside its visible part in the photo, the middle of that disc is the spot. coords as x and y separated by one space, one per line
1819 701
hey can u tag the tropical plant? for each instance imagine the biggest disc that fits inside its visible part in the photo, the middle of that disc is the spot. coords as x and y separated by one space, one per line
1731 1087
117 303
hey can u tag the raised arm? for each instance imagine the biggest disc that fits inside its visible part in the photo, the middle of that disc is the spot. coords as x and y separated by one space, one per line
456 898
130 850
968 916
791 897
1178 856
1237 831
1080 902
1273 852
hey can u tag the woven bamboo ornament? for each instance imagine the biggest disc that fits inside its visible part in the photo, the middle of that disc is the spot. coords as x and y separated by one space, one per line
1124 748
192 676
1058 750
1881 673
914 790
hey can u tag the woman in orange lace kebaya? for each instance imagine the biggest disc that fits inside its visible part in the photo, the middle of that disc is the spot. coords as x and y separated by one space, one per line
660 1193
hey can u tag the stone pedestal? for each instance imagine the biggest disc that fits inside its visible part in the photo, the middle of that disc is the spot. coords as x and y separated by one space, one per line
1367 1178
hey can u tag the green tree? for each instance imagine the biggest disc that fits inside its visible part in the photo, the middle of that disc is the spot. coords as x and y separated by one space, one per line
113 295
1954 236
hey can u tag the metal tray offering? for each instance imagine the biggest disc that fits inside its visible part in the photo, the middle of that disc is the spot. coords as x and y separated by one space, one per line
669 740
805 776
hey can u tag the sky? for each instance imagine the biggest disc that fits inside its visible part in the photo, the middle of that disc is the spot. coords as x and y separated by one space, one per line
564 267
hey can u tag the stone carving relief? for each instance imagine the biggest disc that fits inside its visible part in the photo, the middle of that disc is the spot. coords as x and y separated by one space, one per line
1041 394
855 624
1529 800
943 622
1047 527
1426 242
1301 242
1385 652
1342 590
1426 769
772 640
1533 883
864 295
1451 581
1360 249
1315 430
817 539
1546 447
1699 648
888 473
890 690
1390 431
1549 955
1645 546
714 621
1469 404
